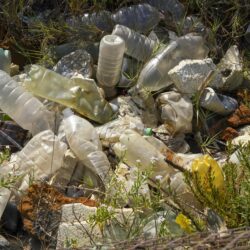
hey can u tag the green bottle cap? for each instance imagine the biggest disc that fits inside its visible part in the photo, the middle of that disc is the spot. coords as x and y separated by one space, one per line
148 131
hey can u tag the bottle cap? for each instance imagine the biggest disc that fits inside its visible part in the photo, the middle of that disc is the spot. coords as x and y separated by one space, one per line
148 131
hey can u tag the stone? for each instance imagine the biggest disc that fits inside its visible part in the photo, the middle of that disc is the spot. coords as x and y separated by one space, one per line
241 140
76 64
228 134
241 116
231 68
75 230
77 235
189 75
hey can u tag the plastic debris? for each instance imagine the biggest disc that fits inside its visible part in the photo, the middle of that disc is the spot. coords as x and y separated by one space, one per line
141 17
134 150
137 46
110 59
154 75
217 103
26 110
208 172
98 20
189 75
79 94
84 142
110 132
76 64
231 68
176 111
174 7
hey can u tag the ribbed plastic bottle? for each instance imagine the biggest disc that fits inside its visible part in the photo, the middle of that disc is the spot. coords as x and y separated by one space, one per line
42 155
110 59
141 17
22 107
138 46
154 75
85 143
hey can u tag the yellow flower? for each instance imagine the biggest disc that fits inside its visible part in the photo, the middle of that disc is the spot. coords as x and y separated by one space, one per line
184 223
205 167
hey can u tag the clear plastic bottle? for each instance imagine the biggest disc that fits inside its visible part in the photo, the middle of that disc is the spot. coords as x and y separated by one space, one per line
84 142
135 150
43 155
174 7
154 75
138 46
22 107
80 94
110 60
141 17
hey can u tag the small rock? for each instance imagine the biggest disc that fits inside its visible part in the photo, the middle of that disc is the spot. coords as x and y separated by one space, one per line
75 64
189 75
231 69
241 140
228 134
240 117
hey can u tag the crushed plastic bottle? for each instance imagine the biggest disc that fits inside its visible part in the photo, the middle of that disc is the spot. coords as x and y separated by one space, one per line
110 132
138 46
110 59
84 142
141 17
80 94
154 75
176 111
134 150
22 107
5 60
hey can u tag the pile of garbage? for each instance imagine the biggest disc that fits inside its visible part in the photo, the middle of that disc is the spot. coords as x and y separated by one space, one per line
136 105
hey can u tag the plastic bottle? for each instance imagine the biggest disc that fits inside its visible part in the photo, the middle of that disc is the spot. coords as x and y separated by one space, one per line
5 60
154 75
174 7
135 150
80 94
100 20
22 107
42 155
84 142
217 103
137 46
110 59
141 17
